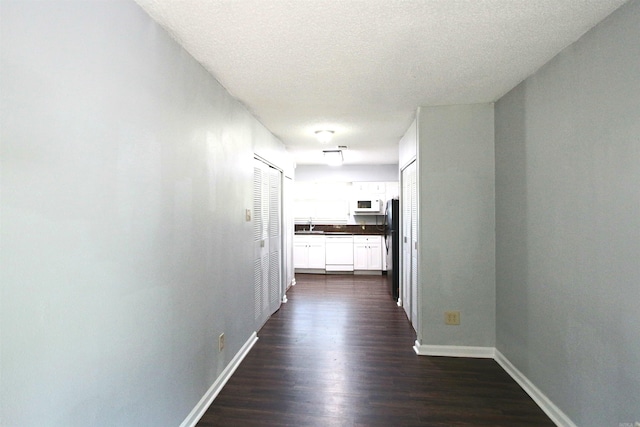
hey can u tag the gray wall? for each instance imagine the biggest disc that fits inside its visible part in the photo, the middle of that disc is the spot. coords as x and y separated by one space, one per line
568 225
457 239
125 173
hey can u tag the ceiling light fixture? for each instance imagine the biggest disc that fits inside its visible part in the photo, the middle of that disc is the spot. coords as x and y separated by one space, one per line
324 136
333 157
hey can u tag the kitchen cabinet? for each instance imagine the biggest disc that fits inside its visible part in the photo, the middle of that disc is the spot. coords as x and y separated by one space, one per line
321 202
383 253
392 190
367 253
335 202
308 252
369 189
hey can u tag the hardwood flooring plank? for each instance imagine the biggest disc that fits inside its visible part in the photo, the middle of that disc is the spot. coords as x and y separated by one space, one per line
339 353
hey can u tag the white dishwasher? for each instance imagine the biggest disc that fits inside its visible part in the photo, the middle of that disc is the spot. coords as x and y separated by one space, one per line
338 253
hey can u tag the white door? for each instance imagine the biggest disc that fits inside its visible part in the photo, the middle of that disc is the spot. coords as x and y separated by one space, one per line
316 252
374 251
360 254
267 228
414 247
300 252
288 234
405 279
275 240
408 243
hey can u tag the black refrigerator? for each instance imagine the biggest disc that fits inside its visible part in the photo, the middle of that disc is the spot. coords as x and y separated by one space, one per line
392 245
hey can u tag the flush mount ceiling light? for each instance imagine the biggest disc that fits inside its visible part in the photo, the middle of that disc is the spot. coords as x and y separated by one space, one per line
333 157
324 136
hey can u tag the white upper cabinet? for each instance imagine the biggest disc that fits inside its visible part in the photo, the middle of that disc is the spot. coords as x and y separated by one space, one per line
369 189
392 190
333 202
322 202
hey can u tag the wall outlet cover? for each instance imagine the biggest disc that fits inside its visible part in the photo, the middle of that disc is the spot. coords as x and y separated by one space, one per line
452 317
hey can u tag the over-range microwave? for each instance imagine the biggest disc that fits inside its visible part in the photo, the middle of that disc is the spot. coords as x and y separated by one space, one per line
370 206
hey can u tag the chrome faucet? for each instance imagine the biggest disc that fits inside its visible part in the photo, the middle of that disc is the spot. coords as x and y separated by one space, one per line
311 224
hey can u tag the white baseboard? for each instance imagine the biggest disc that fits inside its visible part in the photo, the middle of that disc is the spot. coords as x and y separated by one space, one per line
454 351
310 270
206 401
552 411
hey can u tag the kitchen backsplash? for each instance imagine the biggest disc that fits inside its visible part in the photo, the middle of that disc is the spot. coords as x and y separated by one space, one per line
347 228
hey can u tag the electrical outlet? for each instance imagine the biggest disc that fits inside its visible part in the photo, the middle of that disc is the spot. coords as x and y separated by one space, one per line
451 317
221 342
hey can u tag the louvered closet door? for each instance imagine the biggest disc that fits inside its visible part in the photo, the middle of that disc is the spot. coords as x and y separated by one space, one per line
275 239
414 247
267 220
409 243
261 242
405 242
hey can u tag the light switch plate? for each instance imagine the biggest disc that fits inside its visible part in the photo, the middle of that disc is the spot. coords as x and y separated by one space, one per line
247 215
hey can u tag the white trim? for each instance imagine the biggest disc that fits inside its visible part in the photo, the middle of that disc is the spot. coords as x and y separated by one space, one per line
267 162
367 272
453 351
557 416
310 270
206 400
338 267
553 412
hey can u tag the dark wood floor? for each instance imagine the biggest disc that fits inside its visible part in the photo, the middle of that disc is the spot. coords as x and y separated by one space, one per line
339 353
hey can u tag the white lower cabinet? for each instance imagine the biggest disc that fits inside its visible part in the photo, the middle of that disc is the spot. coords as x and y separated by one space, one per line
367 253
337 253
309 252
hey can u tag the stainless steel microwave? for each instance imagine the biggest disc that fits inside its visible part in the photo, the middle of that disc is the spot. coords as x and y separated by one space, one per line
371 206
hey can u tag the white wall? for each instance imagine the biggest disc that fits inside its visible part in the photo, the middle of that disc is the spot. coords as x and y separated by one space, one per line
347 173
126 170
456 224
568 225
408 146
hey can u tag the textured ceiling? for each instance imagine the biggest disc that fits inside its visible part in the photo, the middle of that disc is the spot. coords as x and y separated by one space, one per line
362 67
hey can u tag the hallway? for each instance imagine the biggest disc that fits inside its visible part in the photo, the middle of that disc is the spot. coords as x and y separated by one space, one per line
339 353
